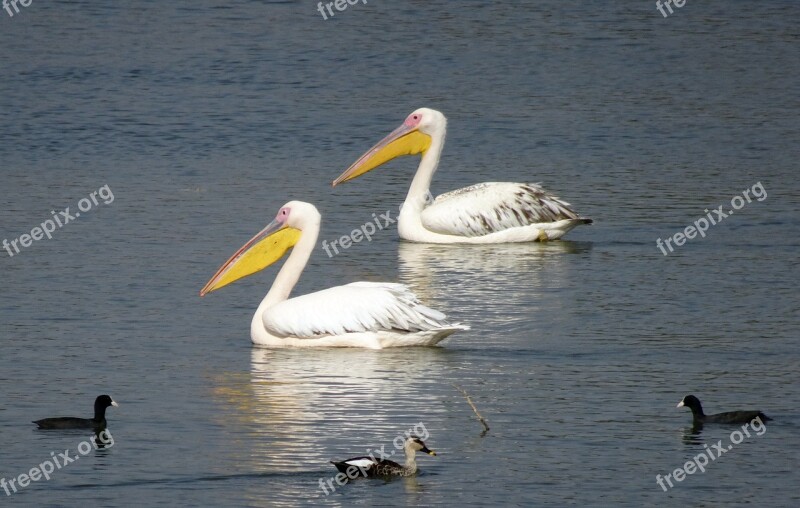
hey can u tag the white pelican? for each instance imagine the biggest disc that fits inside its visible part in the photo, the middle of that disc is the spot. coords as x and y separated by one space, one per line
491 212
362 314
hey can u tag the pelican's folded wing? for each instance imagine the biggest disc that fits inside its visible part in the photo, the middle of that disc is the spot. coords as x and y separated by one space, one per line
494 206
356 307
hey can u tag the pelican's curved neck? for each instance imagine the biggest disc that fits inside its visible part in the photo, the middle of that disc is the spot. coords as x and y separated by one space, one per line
290 272
418 194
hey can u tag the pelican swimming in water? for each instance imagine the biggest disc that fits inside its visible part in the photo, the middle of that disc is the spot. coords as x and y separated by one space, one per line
362 314
491 212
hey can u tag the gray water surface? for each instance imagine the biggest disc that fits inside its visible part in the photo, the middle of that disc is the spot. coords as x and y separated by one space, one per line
204 118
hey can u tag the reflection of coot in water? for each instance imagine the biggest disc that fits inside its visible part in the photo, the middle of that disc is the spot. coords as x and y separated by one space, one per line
103 438
98 423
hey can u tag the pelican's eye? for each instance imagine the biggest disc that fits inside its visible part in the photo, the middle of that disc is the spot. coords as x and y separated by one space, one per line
413 119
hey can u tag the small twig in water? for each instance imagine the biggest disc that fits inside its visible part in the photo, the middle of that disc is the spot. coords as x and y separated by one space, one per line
469 401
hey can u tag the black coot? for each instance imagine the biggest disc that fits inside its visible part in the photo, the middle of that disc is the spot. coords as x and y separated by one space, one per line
98 423
693 403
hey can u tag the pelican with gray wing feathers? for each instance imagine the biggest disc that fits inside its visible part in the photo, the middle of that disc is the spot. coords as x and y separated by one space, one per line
492 212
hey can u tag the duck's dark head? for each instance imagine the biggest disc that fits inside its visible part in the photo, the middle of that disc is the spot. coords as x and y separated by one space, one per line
692 403
416 444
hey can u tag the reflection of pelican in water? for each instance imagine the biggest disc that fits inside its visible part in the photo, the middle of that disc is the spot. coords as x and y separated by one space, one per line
491 281
301 411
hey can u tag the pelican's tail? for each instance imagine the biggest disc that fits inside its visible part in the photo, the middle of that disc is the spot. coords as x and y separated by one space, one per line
423 338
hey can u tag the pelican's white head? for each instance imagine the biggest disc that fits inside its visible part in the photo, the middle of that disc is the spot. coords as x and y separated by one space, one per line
428 121
299 215
268 246
413 137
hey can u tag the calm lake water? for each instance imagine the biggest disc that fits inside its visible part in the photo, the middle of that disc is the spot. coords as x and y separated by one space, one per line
203 118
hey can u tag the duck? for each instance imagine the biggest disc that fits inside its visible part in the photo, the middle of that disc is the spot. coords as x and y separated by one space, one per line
700 418
370 467
98 423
